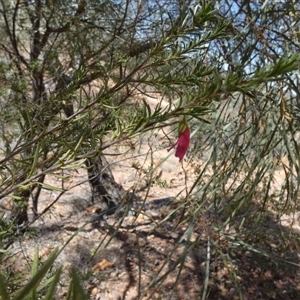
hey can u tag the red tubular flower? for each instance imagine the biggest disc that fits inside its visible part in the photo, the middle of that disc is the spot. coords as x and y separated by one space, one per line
182 143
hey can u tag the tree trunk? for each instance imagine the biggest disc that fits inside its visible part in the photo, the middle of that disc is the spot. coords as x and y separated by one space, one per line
105 190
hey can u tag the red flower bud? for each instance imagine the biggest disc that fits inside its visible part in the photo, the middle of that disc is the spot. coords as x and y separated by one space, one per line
182 143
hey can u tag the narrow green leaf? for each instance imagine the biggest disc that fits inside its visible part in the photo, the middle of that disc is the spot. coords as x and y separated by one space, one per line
78 291
34 270
53 285
35 160
37 277
3 290
70 289
50 187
